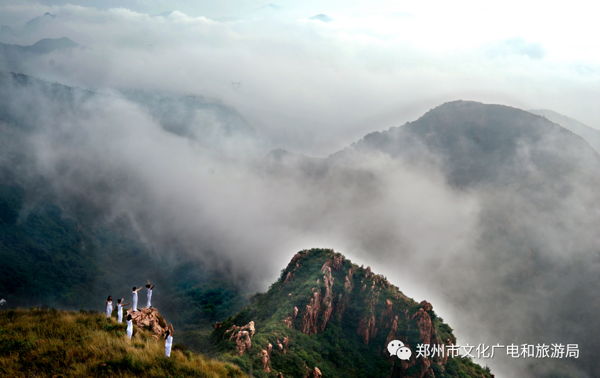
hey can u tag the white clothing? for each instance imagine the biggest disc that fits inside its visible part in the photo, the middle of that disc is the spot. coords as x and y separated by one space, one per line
149 298
109 309
168 345
120 313
134 308
129 328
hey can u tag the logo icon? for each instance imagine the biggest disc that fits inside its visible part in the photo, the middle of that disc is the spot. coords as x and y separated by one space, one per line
397 348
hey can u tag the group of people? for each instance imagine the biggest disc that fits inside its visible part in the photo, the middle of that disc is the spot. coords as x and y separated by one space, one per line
120 305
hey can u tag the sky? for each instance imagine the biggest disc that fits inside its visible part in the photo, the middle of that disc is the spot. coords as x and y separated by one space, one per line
315 87
309 87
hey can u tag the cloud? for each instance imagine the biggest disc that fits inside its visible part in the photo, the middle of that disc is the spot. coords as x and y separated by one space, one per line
311 87
308 86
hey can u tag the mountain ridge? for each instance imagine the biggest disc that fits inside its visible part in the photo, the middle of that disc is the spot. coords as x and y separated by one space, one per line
351 313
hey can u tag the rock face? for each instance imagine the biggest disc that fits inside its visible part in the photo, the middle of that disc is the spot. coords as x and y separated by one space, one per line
242 336
424 323
324 299
265 360
149 318
317 373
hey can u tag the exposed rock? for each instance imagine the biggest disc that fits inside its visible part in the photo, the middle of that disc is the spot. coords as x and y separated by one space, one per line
426 306
317 373
389 305
392 334
337 262
269 348
425 326
295 312
243 336
265 361
327 300
288 321
250 328
368 273
279 375
425 367
309 323
340 307
242 341
366 328
149 318
348 281
288 278
286 344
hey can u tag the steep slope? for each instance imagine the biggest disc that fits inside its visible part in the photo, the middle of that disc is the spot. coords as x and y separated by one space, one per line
591 135
326 316
532 258
50 343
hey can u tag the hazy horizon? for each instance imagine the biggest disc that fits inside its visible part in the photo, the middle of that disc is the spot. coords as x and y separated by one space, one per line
280 79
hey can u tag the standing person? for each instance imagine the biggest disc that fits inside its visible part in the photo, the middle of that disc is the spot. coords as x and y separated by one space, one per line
149 305
108 307
120 306
134 308
169 342
129 326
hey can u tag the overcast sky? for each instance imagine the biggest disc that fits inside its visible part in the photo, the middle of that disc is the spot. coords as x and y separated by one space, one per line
312 86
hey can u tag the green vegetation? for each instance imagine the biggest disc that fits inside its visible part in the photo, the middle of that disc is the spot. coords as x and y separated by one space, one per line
52 343
338 348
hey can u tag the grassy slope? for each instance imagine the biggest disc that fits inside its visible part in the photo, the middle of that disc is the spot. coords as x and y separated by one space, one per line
63 250
339 350
52 343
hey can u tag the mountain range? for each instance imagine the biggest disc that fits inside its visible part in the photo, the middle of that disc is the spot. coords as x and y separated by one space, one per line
530 275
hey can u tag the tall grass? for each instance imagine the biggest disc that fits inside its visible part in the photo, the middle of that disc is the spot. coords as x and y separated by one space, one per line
52 343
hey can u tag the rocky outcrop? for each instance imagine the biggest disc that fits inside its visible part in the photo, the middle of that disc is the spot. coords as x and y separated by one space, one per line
381 312
348 285
243 341
286 344
389 305
242 336
149 318
265 360
317 373
424 323
426 306
327 300
309 322
392 334
288 322
366 328
338 260
288 278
